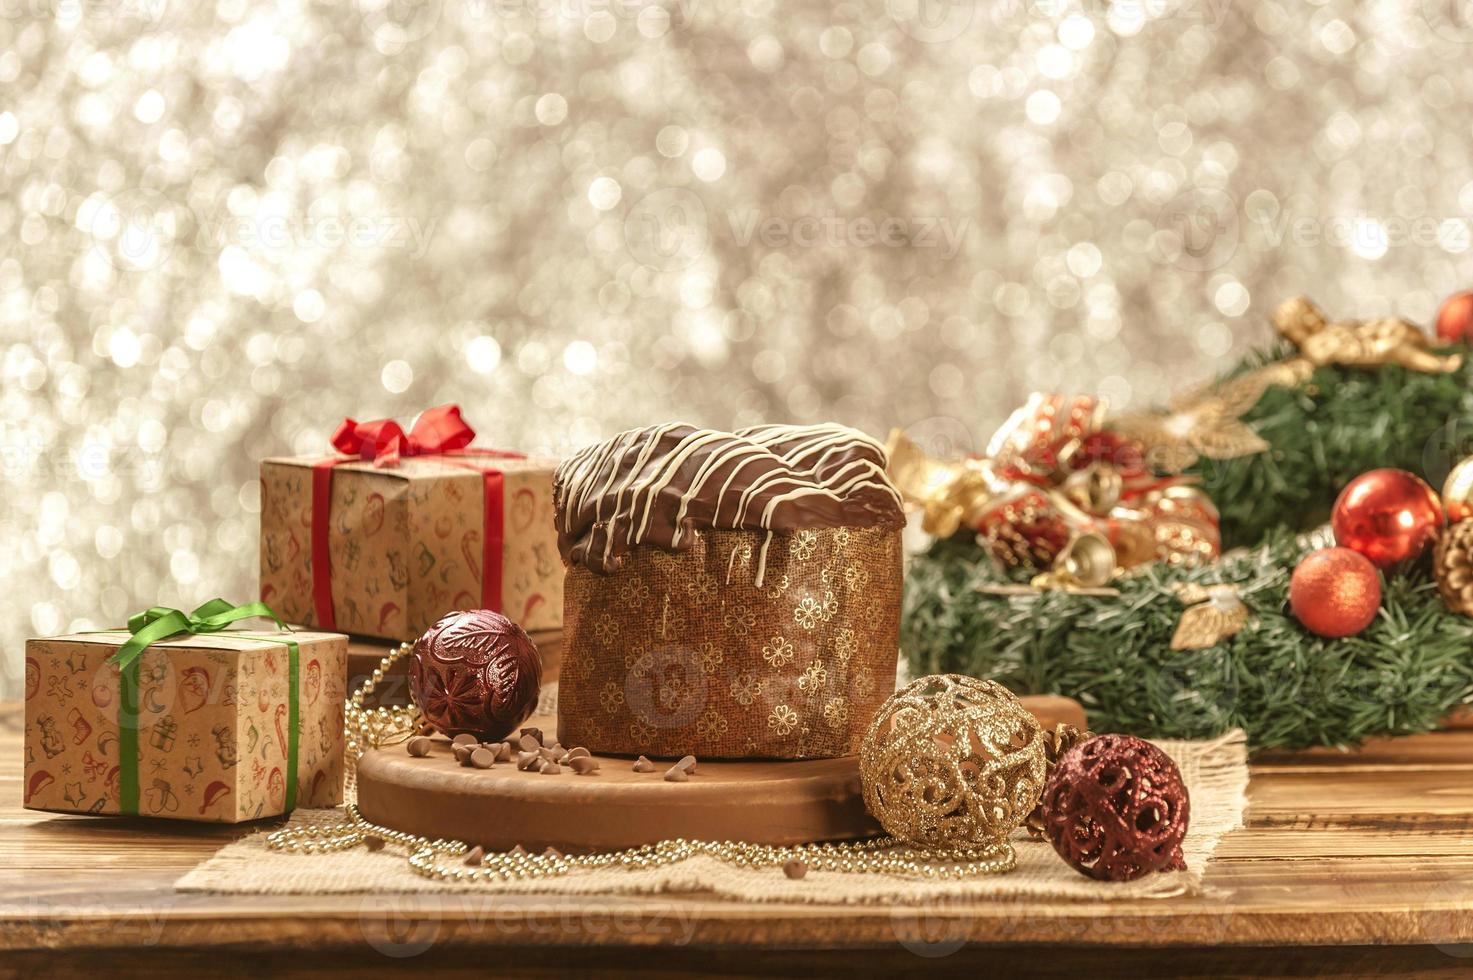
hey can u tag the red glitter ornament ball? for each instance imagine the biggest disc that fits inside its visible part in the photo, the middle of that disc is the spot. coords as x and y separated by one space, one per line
1335 592
1455 319
1115 808
1387 515
475 672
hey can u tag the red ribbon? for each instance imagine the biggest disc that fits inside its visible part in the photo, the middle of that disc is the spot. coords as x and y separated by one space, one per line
438 431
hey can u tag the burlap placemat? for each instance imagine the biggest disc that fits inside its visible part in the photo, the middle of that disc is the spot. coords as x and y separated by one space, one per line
1216 774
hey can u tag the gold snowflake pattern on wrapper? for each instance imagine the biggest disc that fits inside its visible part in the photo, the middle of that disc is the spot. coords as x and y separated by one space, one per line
952 761
714 664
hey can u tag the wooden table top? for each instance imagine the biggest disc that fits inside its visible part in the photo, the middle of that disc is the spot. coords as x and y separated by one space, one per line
1371 852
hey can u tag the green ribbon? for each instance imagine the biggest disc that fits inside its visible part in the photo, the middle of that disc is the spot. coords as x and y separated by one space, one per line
160 623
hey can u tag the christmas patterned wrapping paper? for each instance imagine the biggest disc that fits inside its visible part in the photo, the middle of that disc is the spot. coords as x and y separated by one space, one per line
687 653
213 724
406 543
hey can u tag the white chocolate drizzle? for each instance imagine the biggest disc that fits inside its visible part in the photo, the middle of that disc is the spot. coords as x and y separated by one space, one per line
659 484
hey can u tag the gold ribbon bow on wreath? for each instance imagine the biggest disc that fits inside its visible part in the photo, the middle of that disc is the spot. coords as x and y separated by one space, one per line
1058 492
1059 487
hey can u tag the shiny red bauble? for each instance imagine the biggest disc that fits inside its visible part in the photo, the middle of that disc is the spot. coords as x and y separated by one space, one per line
1116 808
475 672
1387 515
1455 319
1335 592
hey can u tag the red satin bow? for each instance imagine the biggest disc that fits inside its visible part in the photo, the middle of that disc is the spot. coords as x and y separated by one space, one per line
437 430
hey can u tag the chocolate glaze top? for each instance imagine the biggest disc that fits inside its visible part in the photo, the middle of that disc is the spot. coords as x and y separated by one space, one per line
659 484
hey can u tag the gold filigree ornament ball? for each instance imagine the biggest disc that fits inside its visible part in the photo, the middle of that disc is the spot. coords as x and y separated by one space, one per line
952 762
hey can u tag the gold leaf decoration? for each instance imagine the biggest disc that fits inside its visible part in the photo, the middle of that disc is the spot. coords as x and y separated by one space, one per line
1203 421
1213 613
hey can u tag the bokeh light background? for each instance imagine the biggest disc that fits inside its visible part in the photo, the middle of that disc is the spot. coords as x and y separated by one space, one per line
225 226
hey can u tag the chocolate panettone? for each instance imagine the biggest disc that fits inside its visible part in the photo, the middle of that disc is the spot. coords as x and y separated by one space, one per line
730 595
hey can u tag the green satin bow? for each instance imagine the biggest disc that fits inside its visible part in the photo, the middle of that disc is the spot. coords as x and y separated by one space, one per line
162 622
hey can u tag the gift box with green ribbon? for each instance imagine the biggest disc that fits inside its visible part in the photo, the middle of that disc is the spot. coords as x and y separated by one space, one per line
186 716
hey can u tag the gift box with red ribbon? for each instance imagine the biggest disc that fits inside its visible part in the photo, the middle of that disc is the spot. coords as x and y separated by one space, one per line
398 528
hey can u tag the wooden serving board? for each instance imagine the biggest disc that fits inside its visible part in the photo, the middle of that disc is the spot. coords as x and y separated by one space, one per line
502 807
790 802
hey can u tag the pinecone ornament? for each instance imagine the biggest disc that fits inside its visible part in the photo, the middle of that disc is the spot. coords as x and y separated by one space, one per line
1055 744
1452 561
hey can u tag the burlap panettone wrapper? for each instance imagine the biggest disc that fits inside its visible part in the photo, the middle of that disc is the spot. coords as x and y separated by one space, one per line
680 653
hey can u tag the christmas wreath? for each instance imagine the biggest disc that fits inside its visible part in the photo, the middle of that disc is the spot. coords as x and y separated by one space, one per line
1084 555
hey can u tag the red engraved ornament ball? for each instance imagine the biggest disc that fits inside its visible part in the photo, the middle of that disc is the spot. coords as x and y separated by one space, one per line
475 672
1115 808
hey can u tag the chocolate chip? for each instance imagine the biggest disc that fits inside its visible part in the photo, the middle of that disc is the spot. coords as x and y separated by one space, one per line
464 739
547 753
688 763
676 775
795 869
582 764
374 842
534 732
579 751
462 753
550 768
552 852
503 751
643 765
528 760
529 743
474 857
418 746
519 849
483 758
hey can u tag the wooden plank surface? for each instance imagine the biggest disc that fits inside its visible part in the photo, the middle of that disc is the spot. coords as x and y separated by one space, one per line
1369 851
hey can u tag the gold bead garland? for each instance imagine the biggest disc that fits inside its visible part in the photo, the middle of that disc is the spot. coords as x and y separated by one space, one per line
366 728
427 857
